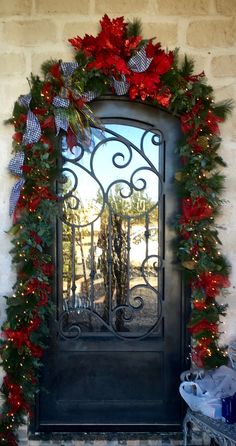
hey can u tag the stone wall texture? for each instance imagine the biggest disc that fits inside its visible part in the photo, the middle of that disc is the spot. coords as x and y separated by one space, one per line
32 31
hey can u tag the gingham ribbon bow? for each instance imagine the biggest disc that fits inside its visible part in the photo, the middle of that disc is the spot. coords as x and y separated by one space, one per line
61 119
33 130
15 167
140 62
68 69
121 87
88 96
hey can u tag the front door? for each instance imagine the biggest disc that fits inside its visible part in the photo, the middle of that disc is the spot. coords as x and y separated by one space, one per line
116 347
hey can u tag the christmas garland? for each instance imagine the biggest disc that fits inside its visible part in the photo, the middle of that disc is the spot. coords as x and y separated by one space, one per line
120 61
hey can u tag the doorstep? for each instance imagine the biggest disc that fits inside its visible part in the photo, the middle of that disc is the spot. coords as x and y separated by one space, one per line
111 439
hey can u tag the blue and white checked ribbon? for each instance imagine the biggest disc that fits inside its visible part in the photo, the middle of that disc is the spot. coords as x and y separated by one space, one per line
58 101
15 167
61 120
121 87
16 163
15 194
33 130
140 62
88 96
68 68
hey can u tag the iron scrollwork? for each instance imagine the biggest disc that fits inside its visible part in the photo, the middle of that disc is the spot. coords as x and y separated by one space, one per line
106 285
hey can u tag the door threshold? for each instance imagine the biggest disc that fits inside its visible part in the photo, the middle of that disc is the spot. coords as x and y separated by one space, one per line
107 436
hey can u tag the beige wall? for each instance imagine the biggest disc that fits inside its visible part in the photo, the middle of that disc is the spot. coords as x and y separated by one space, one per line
32 31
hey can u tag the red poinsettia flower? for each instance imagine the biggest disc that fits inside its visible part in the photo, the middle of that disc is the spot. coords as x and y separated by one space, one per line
55 71
71 138
163 97
162 62
36 237
88 44
212 122
211 283
203 325
143 85
48 269
195 210
130 45
18 137
115 26
111 64
48 123
199 304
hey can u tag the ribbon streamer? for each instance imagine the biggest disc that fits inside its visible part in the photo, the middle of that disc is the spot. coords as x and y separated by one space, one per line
121 87
68 68
58 101
88 96
15 194
16 163
33 130
140 62
61 119
15 167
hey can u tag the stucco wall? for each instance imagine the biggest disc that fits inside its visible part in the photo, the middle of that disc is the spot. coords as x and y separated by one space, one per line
32 31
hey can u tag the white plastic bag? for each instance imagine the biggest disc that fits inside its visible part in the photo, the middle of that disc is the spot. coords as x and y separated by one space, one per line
219 383
192 393
201 401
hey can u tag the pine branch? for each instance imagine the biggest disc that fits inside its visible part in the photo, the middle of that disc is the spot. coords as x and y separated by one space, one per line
45 67
187 66
134 28
223 109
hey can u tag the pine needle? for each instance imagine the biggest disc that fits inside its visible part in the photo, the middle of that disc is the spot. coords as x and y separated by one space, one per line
224 108
134 28
187 66
45 67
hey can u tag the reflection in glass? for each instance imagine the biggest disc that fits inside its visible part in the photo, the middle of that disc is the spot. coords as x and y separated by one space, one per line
111 266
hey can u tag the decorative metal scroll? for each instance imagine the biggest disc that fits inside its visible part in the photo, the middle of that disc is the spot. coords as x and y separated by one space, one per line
111 259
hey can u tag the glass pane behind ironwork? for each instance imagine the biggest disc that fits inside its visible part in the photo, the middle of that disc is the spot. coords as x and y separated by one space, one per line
110 225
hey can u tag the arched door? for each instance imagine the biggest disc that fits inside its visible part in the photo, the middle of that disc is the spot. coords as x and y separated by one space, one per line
116 348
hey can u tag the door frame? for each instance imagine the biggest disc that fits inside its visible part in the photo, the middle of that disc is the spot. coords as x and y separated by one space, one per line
185 302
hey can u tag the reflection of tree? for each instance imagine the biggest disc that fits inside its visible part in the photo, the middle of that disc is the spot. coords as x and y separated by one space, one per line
116 244
72 215
115 273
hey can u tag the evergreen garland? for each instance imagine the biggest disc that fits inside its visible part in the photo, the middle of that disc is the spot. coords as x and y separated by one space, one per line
101 62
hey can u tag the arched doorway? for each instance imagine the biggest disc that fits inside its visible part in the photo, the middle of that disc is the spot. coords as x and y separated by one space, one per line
117 347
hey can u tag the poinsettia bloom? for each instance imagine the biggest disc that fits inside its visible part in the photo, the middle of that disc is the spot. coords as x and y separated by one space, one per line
162 62
164 97
199 304
26 169
48 269
203 325
212 122
36 350
48 123
195 210
55 71
87 44
143 85
109 64
131 44
211 283
18 137
36 237
115 26
18 337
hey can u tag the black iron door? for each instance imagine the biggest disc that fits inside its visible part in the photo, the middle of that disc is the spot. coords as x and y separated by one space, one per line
116 348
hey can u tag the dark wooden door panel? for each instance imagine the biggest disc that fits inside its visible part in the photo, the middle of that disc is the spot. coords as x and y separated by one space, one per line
103 369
